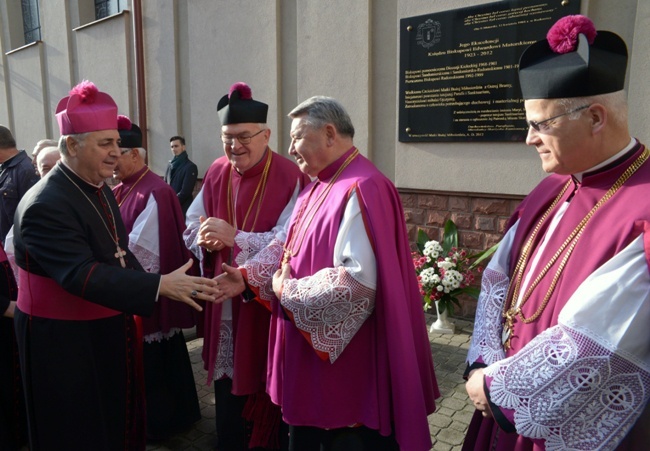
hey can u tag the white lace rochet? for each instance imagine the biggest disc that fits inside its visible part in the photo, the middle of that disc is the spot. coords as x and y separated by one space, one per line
331 306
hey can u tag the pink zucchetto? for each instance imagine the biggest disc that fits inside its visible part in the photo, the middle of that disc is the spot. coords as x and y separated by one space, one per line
86 109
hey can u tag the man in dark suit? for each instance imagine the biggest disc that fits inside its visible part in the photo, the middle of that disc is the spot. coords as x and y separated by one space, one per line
181 173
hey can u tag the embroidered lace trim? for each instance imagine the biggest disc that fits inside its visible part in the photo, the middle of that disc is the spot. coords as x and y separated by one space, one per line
250 243
486 339
160 336
260 269
570 391
331 306
191 237
225 353
149 261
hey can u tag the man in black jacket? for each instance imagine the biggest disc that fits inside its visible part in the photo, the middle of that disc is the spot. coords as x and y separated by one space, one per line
181 173
17 175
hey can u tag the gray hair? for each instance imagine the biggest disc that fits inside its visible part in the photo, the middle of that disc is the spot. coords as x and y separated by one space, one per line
321 110
614 102
42 144
142 152
63 145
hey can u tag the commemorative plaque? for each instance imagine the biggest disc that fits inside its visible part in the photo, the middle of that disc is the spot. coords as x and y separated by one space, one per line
458 69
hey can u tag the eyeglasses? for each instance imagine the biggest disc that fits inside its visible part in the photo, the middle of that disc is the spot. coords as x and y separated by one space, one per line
243 139
537 125
124 150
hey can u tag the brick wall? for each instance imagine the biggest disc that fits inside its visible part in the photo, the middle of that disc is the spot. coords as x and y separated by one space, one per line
480 220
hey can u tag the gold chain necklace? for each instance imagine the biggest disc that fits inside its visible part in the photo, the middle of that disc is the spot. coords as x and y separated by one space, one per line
260 189
569 245
301 224
119 204
120 253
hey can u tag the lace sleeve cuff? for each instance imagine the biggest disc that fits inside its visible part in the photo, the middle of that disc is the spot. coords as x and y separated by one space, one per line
328 308
258 271
190 237
249 244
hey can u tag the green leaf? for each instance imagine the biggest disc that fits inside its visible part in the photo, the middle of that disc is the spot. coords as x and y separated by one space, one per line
450 237
483 255
422 239
473 291
441 306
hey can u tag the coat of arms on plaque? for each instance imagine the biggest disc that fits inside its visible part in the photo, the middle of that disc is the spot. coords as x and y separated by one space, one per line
428 33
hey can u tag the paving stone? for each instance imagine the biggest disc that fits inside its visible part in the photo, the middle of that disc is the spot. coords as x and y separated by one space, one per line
440 446
461 396
463 417
445 411
453 404
451 436
440 421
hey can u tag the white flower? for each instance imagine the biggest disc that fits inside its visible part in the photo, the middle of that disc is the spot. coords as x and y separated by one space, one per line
446 265
452 279
432 250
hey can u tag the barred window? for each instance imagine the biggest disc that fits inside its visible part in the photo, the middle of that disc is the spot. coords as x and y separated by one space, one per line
31 21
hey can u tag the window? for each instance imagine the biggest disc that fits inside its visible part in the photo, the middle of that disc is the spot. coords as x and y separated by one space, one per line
105 8
31 21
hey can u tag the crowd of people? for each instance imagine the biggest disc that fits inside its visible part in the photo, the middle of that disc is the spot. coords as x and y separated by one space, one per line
298 276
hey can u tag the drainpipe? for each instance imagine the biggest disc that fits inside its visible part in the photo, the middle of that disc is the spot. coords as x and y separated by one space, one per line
139 72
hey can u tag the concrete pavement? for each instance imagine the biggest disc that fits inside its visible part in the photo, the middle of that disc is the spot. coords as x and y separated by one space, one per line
447 425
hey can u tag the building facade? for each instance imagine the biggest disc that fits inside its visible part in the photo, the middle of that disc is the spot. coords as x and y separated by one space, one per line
167 63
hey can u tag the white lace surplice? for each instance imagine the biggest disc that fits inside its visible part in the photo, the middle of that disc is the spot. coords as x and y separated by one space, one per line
248 244
332 304
583 383
486 345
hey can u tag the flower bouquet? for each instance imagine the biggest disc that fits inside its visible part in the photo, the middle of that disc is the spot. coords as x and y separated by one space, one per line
444 271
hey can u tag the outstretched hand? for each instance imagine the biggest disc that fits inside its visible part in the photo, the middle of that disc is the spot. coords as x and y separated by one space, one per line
179 286
230 283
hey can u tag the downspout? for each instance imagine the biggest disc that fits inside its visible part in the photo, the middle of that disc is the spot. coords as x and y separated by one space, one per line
139 72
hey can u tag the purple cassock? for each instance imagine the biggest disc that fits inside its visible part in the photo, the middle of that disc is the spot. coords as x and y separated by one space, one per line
342 353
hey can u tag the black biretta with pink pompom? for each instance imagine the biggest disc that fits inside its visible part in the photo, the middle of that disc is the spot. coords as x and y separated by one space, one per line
574 60
238 106
130 133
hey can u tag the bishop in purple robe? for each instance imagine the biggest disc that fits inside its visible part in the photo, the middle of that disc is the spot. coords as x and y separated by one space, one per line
349 357
560 355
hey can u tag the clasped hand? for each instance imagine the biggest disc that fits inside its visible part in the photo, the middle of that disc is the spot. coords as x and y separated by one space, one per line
214 234
476 392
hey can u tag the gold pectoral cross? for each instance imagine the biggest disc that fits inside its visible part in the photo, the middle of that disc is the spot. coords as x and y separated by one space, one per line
120 254
508 327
